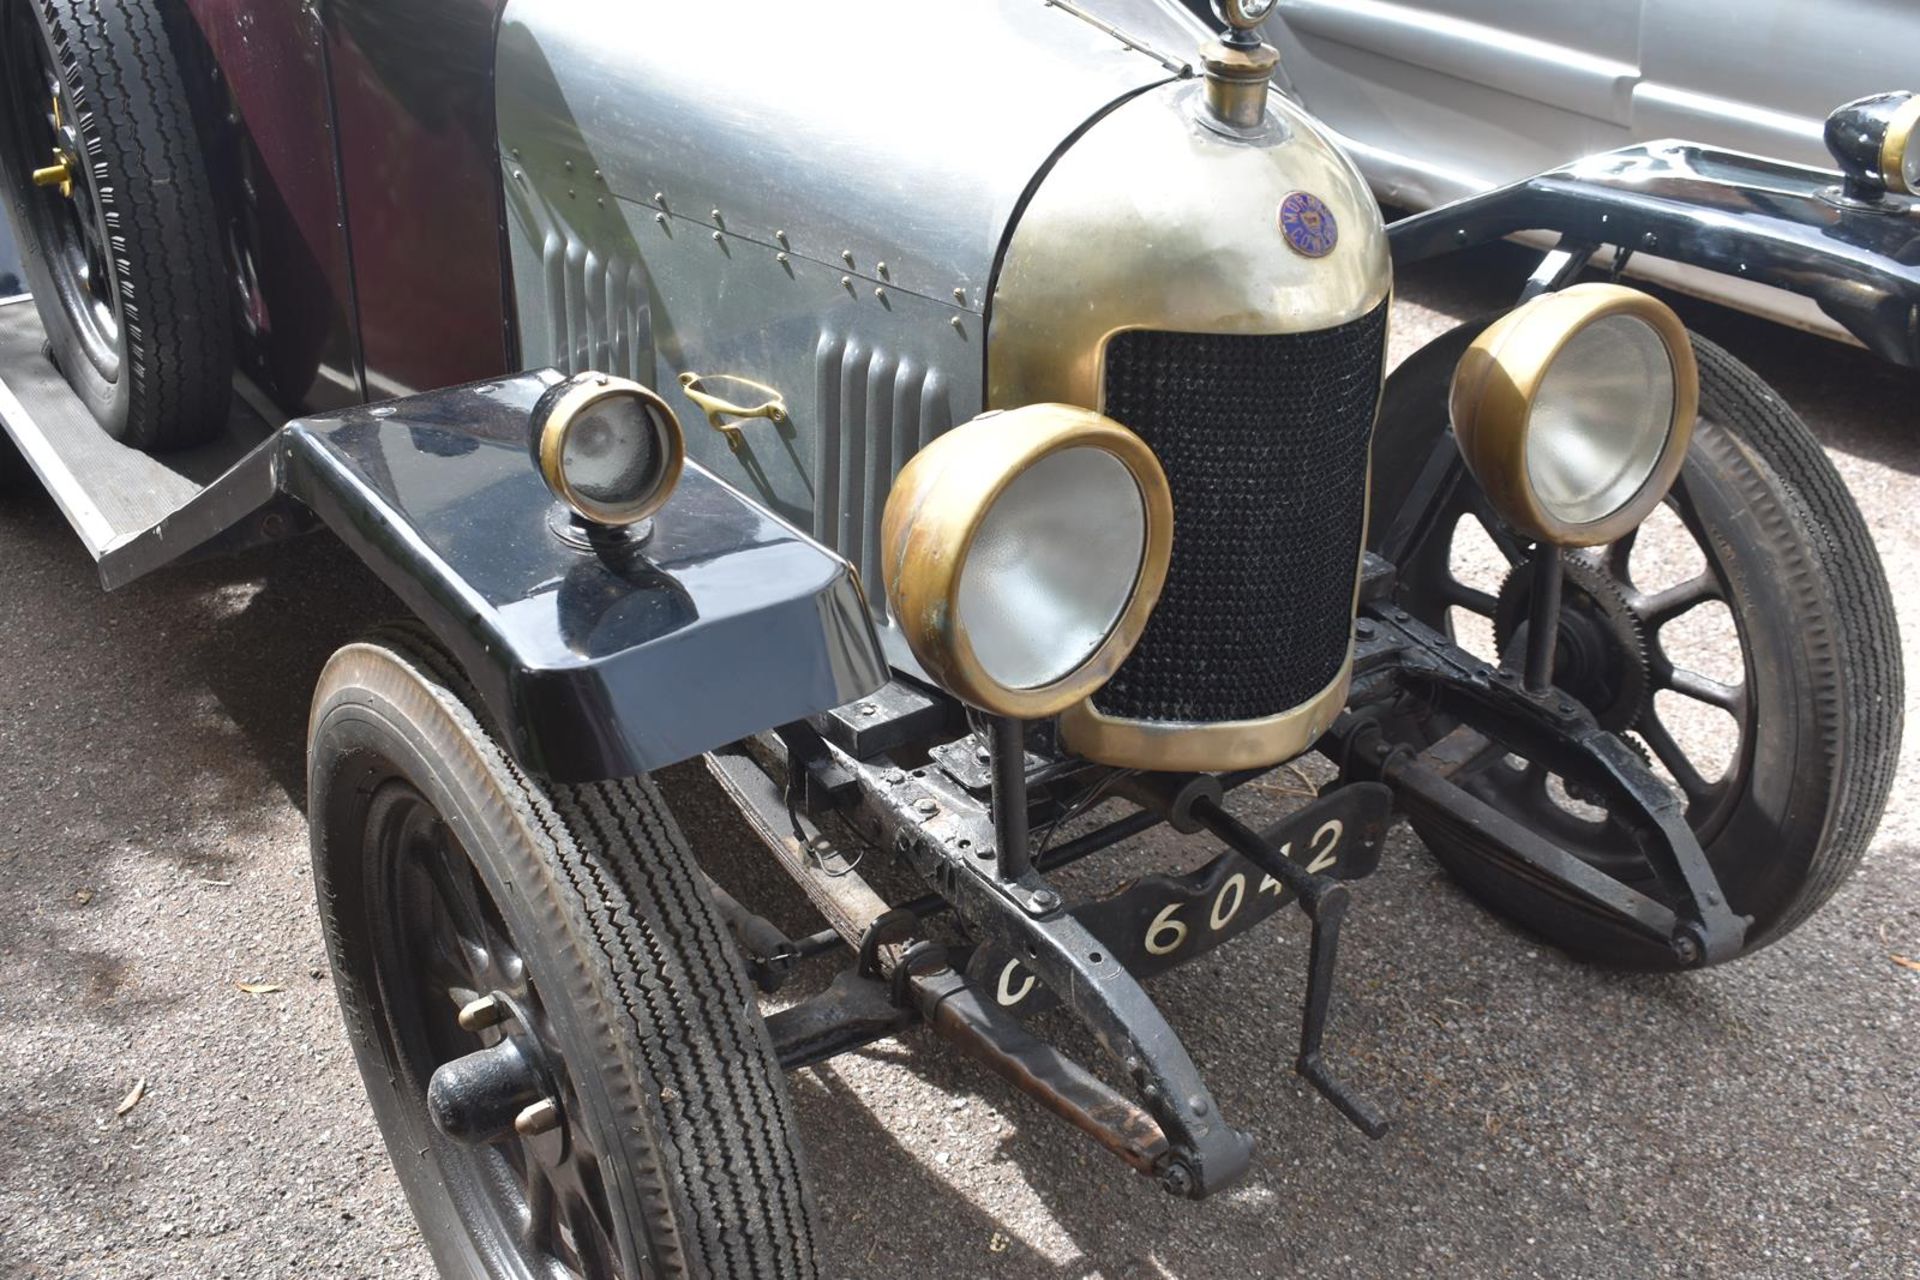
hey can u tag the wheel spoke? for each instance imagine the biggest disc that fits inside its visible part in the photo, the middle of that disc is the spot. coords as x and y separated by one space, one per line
56 115
1730 698
457 898
90 234
539 1230
451 960
448 958
593 1190
1430 501
1619 555
1509 546
453 878
1670 754
590 1241
1472 599
1663 606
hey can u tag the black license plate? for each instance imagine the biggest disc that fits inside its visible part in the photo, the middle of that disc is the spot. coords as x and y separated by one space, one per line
1159 921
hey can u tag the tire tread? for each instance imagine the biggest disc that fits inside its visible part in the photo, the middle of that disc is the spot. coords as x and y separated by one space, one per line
1862 748
156 200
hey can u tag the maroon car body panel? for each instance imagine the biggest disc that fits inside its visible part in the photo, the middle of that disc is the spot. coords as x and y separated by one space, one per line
413 104
286 238
363 195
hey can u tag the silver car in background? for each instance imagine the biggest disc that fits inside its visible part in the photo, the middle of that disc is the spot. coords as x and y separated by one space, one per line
1439 99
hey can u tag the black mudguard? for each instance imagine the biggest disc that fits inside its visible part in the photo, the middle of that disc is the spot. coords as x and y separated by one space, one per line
592 664
1743 216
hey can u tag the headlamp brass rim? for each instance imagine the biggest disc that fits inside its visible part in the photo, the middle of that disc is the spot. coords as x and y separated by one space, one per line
1498 382
568 401
1893 147
935 511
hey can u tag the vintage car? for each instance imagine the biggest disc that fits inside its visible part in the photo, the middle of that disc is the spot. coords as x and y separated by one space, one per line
975 443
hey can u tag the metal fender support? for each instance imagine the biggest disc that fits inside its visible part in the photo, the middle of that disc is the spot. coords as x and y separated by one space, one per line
592 663
1776 224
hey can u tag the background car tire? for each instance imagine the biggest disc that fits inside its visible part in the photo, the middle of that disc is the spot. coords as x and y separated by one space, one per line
1819 637
155 365
667 1063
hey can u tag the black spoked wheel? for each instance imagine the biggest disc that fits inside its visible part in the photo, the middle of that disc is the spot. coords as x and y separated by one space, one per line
1743 640
1614 653
63 218
553 1027
534 1193
104 173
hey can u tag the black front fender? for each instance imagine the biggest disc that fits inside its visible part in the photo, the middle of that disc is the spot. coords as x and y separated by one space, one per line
1739 215
591 664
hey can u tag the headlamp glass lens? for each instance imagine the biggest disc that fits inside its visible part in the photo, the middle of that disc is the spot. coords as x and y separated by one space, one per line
1600 420
1052 567
612 457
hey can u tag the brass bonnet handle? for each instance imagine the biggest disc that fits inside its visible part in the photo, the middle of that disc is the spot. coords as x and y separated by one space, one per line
725 416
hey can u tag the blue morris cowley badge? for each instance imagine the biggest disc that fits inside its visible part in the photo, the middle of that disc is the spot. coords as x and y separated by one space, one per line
1309 226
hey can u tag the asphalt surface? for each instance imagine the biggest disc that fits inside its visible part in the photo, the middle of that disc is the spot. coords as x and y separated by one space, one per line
1550 1120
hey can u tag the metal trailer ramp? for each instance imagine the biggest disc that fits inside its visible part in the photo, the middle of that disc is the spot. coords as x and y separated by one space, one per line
114 496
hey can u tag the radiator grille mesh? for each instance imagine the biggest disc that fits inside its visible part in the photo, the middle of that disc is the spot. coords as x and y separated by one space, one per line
1264 440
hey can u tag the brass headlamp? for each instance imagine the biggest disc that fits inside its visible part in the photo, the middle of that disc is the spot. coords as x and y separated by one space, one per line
1574 411
1023 552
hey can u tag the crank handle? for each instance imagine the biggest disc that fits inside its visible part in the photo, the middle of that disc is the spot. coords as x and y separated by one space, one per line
1363 1115
1325 902
1322 955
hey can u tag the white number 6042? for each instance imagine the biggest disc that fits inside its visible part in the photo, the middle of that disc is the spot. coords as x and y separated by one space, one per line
1166 934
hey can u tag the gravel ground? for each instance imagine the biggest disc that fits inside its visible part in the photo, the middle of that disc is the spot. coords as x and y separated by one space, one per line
1758 1120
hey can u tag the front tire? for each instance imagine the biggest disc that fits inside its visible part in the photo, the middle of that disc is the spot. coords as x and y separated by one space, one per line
444 874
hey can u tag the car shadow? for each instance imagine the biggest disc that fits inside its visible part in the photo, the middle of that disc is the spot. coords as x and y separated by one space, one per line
297 602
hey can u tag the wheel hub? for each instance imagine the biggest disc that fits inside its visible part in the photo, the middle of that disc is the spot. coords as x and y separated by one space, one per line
58 175
469 1025
1601 655
482 1097
68 222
